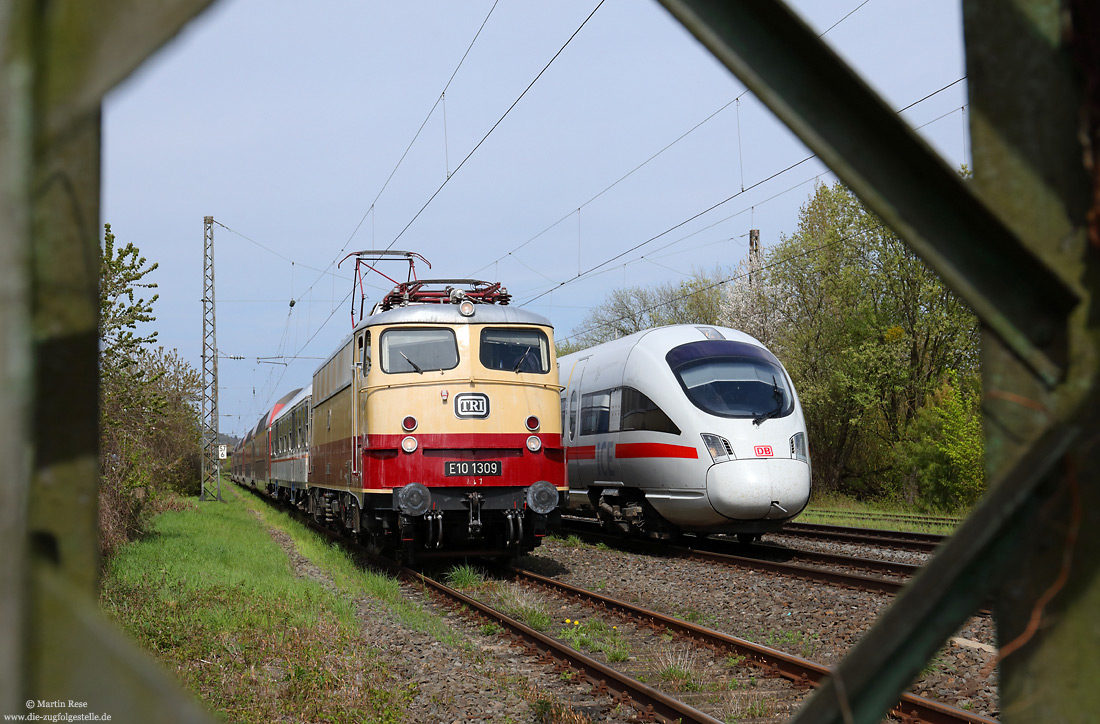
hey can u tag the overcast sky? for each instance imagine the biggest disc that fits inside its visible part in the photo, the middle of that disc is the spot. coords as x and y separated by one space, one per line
287 122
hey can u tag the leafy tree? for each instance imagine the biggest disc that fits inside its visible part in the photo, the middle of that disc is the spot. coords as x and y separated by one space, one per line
120 278
942 459
697 300
868 333
149 434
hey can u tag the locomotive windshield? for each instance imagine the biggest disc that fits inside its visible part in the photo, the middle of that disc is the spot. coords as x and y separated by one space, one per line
515 350
732 379
418 350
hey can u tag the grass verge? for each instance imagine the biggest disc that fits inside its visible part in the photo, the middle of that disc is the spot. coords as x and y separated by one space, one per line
214 597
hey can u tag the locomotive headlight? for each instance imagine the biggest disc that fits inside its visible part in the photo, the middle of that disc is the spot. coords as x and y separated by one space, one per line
542 497
798 447
414 499
719 447
409 444
466 308
534 444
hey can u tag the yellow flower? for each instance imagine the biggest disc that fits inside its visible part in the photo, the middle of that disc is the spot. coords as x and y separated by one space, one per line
568 621
576 623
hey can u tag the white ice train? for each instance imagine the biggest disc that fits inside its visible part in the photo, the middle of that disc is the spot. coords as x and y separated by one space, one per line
684 428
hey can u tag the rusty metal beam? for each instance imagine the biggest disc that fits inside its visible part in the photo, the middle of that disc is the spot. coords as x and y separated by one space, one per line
892 170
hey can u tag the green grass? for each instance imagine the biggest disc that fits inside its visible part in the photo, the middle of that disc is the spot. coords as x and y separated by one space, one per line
351 580
523 604
677 667
836 509
464 577
804 644
214 597
571 540
595 635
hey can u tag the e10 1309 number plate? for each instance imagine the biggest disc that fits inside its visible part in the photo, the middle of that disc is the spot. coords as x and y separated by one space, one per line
471 467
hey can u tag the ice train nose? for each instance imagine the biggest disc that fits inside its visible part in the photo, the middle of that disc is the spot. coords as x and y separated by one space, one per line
772 489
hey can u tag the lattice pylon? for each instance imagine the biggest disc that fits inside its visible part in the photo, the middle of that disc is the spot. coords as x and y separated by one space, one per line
211 465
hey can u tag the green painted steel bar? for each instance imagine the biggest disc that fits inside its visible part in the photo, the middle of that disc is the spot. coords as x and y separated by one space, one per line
16 389
892 170
57 59
1034 73
948 589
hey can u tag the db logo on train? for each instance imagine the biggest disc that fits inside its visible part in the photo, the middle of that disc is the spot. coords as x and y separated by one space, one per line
763 451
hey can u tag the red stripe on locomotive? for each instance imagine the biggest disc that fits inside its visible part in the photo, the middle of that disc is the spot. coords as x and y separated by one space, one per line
386 465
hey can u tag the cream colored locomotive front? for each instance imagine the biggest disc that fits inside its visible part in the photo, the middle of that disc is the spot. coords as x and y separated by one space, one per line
422 406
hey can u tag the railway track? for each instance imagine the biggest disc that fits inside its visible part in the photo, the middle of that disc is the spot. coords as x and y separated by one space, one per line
863 574
801 672
651 704
907 518
903 540
622 689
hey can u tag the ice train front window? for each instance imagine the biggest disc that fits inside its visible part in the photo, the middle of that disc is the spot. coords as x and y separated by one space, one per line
732 379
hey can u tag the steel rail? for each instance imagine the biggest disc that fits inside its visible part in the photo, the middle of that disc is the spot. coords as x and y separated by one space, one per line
924 542
746 559
769 551
801 671
650 703
813 573
603 678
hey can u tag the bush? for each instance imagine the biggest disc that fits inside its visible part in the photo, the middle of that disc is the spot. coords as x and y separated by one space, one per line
149 427
942 458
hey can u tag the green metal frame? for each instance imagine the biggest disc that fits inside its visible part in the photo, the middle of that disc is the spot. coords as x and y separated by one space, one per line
1024 267
1013 248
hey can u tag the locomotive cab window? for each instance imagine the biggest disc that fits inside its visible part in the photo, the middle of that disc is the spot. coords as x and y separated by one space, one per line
418 350
515 350
732 379
364 353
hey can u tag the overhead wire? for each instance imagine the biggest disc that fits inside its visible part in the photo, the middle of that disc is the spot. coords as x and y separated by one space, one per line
736 101
460 165
374 203
494 127
582 275
735 277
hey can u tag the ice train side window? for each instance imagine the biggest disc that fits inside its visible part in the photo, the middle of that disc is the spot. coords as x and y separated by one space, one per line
639 413
595 412
564 428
